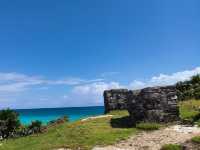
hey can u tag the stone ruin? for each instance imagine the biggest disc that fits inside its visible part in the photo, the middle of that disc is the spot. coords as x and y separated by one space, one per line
153 104
115 99
156 104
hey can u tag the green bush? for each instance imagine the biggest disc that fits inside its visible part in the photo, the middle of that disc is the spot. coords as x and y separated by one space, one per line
196 139
197 93
148 126
9 122
195 79
189 89
172 147
35 126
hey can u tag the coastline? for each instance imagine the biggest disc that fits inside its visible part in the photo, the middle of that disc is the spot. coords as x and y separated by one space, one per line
48 114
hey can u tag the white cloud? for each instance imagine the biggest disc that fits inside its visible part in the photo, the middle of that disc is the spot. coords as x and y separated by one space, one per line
14 77
81 92
92 94
137 84
15 82
164 79
94 88
72 81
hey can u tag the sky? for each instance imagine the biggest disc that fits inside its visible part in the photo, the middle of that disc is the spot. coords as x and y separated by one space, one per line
66 53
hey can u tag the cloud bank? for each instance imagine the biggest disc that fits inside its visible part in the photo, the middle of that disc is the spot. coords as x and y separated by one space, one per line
164 79
93 92
15 82
81 92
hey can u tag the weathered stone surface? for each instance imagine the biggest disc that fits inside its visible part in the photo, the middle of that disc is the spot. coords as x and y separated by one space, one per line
154 104
115 99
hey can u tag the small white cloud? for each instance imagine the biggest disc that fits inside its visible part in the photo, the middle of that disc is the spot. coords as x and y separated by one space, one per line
72 81
91 94
137 85
164 79
96 88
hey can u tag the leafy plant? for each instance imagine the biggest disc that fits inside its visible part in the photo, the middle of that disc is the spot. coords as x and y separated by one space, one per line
35 126
195 79
9 122
189 89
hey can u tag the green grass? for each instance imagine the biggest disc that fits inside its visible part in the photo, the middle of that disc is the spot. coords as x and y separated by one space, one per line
172 147
148 126
84 135
190 110
196 139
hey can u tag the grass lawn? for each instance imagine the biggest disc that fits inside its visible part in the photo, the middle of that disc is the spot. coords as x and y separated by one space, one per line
84 135
189 110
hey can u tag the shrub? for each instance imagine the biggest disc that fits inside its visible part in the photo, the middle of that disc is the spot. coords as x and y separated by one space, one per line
172 147
58 121
148 126
9 122
189 89
196 139
35 127
197 93
195 79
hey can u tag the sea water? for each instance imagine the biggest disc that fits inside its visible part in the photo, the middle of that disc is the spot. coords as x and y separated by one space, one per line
47 114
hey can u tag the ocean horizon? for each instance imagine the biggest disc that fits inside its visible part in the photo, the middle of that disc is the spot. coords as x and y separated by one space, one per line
47 114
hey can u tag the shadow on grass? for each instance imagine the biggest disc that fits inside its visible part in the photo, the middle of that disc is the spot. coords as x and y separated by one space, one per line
123 122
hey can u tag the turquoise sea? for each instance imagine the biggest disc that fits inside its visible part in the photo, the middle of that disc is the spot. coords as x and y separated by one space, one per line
47 114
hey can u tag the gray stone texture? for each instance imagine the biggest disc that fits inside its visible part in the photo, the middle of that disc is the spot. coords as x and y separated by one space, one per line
115 99
153 104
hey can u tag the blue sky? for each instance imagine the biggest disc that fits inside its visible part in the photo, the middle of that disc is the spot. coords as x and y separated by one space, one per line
65 53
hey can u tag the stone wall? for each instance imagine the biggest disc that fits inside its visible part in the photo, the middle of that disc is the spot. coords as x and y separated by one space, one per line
115 99
156 104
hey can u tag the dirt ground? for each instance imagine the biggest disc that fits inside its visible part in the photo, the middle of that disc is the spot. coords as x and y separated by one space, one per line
177 134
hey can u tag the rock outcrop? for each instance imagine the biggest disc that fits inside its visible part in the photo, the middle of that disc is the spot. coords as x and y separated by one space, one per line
153 104
115 99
